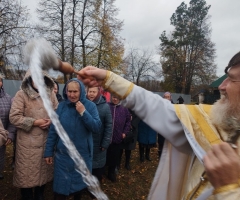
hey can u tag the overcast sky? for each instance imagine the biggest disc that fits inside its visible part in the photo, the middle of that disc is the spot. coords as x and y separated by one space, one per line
145 20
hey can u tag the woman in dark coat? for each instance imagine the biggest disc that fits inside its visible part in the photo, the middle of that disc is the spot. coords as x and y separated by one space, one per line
5 106
130 145
56 91
79 117
147 139
102 139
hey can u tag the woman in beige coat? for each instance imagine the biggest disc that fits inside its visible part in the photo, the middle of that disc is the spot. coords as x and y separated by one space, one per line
31 119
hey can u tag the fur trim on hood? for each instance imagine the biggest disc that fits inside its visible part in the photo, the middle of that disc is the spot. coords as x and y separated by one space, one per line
26 85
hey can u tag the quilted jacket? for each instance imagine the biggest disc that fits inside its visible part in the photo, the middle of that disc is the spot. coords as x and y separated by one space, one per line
30 167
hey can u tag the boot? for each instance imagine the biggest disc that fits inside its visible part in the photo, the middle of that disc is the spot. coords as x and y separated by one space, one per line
127 163
147 154
59 196
39 192
141 152
119 160
27 193
78 196
111 174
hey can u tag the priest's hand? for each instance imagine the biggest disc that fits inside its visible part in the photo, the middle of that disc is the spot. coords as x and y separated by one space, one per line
92 76
222 165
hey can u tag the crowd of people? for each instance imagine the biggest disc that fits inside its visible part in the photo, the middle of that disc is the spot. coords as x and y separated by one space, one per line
200 157
99 129
199 150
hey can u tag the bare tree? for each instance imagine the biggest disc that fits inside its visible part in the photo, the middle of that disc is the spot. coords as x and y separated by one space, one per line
14 31
82 31
54 25
139 65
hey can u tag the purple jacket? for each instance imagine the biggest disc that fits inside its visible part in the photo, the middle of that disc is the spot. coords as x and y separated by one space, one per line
121 122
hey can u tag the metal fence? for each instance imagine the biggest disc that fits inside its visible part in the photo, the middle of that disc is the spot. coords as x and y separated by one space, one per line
175 96
12 86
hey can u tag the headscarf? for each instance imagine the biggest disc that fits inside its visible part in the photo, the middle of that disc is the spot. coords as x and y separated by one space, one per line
98 94
167 93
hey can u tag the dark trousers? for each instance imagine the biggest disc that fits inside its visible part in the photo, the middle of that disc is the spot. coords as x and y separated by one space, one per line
141 152
98 172
113 153
27 193
77 195
127 156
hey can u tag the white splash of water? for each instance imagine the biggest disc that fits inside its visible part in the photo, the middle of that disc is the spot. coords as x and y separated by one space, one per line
47 57
36 72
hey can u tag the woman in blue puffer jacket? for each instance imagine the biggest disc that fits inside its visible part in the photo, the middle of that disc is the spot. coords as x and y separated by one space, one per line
79 117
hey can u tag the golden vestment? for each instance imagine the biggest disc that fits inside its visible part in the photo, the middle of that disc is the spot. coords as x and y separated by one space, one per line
180 174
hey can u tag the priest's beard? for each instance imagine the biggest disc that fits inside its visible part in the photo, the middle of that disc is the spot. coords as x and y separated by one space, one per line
226 115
